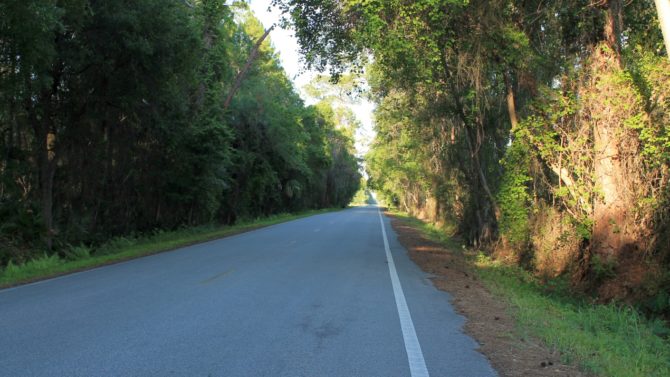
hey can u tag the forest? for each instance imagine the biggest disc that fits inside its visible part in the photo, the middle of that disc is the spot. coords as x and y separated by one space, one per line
521 150
538 131
122 118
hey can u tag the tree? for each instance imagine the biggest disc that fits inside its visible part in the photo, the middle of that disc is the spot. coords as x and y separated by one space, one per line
118 119
501 115
663 10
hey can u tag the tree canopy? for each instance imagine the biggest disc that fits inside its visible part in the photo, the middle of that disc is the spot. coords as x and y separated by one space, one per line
120 118
538 129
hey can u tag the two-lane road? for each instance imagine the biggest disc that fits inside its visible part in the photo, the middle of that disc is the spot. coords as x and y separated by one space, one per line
311 297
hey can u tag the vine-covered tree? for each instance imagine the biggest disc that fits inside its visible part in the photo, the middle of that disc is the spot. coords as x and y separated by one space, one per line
539 128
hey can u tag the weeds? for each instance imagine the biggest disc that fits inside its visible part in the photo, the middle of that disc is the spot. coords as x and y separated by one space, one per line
78 252
123 248
32 267
606 340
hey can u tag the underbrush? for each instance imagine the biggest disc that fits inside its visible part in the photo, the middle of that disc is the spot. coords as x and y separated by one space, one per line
604 340
607 340
118 249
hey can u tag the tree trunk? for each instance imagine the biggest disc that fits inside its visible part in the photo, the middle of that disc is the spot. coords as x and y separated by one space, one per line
511 106
46 157
473 149
613 221
613 22
45 143
663 11
609 210
48 172
240 76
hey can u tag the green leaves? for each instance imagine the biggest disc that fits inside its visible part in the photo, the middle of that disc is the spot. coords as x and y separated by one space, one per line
514 196
133 93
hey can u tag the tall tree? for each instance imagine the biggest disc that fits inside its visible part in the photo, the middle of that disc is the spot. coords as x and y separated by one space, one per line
113 121
516 112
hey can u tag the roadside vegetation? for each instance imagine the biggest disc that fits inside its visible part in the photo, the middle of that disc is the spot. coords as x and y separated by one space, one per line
540 129
536 131
123 248
121 119
612 339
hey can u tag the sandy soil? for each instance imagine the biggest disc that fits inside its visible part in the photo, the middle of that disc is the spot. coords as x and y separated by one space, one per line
488 317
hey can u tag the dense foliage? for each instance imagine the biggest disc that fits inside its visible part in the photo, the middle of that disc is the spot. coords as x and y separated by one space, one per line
539 128
123 117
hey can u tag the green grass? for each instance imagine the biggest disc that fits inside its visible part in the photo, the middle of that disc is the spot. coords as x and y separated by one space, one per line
604 340
124 248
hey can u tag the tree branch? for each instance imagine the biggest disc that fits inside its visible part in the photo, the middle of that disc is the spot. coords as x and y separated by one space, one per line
245 69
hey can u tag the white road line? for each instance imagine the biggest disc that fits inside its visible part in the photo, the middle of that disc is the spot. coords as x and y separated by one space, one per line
417 365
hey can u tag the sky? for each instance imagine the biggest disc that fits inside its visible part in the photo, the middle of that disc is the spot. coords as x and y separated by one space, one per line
286 44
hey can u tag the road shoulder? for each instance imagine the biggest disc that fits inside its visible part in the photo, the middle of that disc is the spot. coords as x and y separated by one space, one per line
489 318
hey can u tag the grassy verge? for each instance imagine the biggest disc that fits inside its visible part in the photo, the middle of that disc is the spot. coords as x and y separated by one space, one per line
123 248
604 340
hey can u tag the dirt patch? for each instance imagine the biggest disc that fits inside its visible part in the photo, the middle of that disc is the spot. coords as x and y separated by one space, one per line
488 317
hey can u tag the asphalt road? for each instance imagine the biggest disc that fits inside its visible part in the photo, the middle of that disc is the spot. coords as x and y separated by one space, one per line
311 297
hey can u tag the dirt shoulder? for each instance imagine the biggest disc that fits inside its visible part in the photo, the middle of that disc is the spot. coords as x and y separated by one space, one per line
489 318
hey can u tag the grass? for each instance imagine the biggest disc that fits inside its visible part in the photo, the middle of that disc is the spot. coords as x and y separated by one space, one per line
123 248
604 340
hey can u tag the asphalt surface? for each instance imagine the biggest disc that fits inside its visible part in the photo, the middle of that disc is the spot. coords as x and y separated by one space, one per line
311 297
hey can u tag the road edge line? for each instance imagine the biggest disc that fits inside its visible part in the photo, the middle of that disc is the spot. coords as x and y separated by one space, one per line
417 364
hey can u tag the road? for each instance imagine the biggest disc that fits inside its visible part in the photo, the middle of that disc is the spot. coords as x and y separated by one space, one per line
311 297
